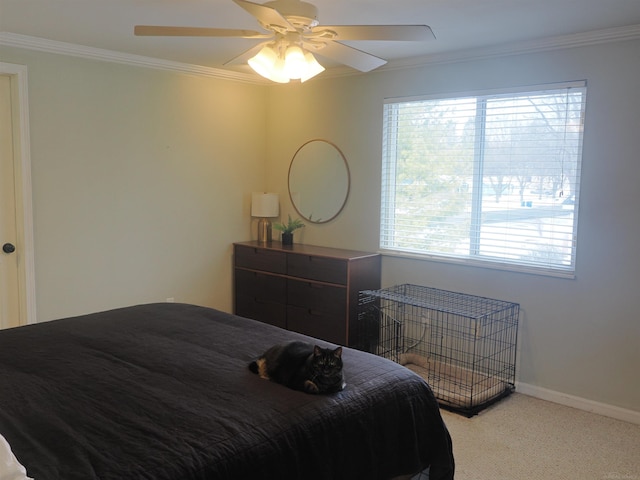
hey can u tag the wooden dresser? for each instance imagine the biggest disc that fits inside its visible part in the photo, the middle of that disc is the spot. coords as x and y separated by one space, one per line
304 288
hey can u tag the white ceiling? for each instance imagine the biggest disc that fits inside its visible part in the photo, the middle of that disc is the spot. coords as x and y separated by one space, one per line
458 25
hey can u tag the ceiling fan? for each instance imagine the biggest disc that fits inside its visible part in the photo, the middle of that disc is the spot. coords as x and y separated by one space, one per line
294 35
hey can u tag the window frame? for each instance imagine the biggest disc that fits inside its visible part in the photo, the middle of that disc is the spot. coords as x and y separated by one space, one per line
389 141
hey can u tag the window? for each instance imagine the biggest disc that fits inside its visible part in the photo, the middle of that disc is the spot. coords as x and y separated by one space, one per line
489 178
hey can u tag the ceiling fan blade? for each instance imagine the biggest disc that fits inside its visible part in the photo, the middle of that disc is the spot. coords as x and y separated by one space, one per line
246 55
406 33
350 56
152 30
268 17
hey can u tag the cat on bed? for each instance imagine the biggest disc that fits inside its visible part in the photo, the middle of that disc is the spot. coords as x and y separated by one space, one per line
302 366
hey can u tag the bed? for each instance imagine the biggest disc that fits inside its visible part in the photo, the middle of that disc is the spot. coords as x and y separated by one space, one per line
163 392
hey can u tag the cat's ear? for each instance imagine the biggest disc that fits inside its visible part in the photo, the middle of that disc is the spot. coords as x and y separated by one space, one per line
317 351
338 352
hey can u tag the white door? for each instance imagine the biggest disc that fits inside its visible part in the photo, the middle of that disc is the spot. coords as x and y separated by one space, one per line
9 277
17 272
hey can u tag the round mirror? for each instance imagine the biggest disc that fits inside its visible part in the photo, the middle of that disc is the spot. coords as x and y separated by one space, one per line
319 181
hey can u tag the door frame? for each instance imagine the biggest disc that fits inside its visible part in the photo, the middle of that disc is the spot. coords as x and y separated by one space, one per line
23 190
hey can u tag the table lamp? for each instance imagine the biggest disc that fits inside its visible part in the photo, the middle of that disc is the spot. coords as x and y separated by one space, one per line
264 206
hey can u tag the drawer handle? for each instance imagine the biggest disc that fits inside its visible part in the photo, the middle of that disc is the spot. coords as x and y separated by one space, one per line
315 313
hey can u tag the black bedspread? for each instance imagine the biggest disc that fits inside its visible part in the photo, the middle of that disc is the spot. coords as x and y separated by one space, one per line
162 391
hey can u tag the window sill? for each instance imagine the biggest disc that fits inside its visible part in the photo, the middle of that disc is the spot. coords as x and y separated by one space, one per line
470 262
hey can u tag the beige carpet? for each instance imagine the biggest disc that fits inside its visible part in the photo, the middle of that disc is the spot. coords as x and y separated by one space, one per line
523 438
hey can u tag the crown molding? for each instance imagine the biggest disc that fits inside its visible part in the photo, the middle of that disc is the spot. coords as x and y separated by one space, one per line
71 49
631 32
617 34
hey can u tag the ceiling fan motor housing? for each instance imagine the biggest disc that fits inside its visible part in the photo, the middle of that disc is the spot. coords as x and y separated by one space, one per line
300 14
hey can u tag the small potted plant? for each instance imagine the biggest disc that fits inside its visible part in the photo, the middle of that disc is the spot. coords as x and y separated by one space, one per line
288 228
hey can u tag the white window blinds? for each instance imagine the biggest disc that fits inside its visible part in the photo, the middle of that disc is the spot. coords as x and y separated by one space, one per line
485 178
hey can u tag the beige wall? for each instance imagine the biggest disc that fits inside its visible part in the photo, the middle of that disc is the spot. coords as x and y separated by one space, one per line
580 337
141 182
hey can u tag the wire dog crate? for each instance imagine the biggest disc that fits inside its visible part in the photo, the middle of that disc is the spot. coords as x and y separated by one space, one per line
464 346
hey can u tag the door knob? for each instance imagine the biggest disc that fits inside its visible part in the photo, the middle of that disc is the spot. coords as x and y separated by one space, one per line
8 248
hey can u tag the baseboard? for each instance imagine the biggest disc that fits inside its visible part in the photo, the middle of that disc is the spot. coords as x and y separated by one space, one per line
612 411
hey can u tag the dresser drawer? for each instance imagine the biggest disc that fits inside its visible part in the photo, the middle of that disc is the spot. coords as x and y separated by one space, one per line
317 324
261 310
260 259
323 269
318 297
262 286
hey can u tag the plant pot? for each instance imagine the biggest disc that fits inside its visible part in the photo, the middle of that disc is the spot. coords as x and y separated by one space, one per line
287 238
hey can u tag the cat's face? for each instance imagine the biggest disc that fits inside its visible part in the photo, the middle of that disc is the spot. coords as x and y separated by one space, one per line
327 361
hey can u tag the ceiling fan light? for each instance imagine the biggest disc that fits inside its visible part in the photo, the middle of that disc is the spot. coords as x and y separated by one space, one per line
263 61
294 62
267 64
278 73
312 67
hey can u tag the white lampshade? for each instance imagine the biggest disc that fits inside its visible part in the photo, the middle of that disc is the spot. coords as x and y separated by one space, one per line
263 61
312 67
278 74
294 62
265 205
267 63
